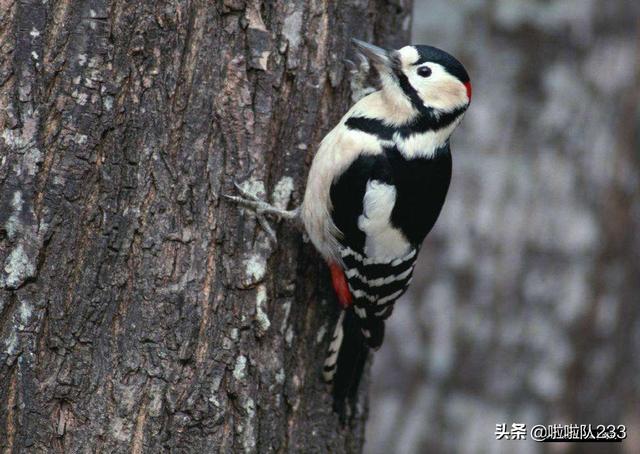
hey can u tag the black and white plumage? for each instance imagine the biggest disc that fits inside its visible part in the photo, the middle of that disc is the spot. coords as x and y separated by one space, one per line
376 188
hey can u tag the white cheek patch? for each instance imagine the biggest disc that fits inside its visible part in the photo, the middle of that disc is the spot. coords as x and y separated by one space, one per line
440 90
447 94
382 239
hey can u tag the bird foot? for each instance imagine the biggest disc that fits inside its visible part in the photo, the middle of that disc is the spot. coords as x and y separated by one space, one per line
359 73
262 208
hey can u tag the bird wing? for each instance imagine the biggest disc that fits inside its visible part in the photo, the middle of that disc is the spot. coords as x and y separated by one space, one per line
378 260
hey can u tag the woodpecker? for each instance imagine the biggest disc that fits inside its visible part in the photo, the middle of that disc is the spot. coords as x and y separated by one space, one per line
375 189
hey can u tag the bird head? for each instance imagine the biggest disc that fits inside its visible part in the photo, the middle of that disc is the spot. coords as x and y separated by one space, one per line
420 77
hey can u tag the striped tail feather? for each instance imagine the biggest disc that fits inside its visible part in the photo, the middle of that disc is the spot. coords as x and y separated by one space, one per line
346 359
375 286
331 361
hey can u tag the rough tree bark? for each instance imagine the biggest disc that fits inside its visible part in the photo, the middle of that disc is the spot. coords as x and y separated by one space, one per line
139 311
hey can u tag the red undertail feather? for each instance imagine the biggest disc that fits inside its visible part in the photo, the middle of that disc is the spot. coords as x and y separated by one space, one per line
339 281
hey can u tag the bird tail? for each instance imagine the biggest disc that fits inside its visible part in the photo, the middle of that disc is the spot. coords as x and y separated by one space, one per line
331 361
345 360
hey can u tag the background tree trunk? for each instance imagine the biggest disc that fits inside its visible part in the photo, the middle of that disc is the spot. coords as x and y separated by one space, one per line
525 306
138 311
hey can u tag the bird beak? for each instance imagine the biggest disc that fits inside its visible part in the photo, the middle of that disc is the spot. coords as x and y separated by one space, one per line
377 55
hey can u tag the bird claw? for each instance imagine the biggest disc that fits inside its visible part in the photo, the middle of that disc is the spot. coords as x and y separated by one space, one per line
360 68
358 80
261 209
351 66
364 63
246 194
267 228
253 203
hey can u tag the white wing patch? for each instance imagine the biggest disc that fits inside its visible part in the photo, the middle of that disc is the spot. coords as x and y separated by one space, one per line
383 241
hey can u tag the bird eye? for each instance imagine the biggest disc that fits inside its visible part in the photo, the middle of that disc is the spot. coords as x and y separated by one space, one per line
424 71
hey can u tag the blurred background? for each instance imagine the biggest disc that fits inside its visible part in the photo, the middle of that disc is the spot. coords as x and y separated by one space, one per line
526 305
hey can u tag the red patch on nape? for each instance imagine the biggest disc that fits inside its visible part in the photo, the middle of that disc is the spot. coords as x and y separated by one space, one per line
468 87
339 281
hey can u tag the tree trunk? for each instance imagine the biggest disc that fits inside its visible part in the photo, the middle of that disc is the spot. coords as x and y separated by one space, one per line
139 311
